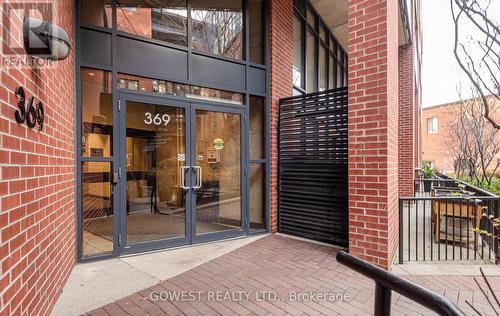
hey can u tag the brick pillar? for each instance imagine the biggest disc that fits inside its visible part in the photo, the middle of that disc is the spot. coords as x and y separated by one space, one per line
407 111
373 129
281 84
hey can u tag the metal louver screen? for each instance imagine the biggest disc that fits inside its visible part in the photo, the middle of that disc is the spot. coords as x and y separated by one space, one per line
313 194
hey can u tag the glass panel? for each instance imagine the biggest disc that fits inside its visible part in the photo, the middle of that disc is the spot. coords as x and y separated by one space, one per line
322 69
333 45
340 77
311 18
322 33
257 128
164 20
97 208
301 6
155 153
217 27
331 73
312 74
297 53
178 89
97 13
218 160
97 113
256 31
257 198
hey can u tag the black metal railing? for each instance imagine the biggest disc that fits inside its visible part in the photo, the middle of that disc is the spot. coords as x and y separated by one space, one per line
448 225
386 282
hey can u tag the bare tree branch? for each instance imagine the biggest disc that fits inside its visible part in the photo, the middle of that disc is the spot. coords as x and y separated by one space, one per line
479 58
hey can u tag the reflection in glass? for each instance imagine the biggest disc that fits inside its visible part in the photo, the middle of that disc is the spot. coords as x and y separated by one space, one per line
217 26
164 20
155 153
257 198
256 30
97 113
96 13
312 75
297 53
97 208
218 160
257 128
322 69
177 89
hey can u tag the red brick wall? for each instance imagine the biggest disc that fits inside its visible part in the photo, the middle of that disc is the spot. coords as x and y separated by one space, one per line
281 50
37 185
373 129
407 140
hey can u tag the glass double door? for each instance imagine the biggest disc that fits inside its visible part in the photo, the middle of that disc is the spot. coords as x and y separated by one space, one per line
180 173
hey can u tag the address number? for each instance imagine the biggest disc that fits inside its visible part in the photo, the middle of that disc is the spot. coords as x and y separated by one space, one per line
28 112
156 119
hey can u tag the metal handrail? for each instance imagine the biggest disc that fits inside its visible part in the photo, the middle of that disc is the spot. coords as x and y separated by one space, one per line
385 282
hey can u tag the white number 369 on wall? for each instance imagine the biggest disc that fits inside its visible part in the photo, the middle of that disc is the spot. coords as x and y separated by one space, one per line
157 119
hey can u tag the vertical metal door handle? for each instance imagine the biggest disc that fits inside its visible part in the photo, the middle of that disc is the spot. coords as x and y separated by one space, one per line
199 177
183 170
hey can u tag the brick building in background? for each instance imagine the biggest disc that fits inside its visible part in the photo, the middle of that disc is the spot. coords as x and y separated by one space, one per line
438 125
106 165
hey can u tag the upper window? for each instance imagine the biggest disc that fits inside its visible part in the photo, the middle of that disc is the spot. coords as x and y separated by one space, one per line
298 71
432 125
164 20
319 62
256 31
137 83
217 27
95 13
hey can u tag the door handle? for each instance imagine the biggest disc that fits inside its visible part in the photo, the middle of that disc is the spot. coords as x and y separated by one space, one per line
198 177
183 170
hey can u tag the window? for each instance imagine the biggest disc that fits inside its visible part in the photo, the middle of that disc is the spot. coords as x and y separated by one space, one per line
319 62
97 208
128 84
311 69
217 27
257 128
165 20
96 113
256 30
257 166
131 82
432 125
257 196
298 69
95 13
322 69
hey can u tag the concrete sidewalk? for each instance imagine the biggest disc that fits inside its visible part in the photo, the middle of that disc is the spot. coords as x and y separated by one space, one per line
97 283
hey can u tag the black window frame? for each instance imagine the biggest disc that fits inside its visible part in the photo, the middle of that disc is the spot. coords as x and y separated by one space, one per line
330 43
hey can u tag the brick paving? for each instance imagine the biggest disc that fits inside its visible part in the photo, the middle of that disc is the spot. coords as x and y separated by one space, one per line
281 266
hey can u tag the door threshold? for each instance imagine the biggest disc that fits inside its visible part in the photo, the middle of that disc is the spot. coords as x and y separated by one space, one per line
187 246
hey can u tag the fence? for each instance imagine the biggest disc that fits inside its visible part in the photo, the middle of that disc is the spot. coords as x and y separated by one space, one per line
313 166
448 220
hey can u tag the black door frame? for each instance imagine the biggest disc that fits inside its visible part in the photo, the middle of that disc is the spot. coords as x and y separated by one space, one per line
119 198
